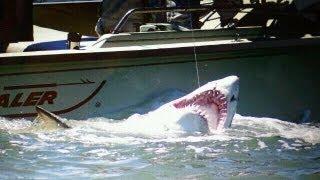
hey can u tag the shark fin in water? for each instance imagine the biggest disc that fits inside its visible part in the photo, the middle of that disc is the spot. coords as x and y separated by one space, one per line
50 120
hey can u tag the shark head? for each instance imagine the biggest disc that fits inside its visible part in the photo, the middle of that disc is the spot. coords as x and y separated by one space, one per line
216 102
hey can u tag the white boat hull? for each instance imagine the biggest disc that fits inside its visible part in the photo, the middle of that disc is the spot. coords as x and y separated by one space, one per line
275 82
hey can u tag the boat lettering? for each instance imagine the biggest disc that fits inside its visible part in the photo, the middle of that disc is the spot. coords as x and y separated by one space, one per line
32 99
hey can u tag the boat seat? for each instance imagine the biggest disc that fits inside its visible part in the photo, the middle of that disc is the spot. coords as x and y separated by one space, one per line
57 45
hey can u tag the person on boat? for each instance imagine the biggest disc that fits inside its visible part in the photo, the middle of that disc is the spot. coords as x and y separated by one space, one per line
189 20
112 11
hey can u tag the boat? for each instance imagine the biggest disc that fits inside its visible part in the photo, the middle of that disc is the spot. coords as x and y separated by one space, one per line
275 58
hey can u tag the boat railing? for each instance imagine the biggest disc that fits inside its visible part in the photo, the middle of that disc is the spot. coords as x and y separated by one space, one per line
202 8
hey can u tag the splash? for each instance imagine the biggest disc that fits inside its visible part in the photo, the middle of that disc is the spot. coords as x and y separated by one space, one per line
14 125
268 127
101 147
137 130
270 146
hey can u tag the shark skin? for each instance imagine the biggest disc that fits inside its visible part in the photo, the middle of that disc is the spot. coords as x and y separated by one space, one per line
209 108
50 119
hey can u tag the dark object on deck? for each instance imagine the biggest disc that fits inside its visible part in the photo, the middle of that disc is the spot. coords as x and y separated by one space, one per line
3 46
74 40
15 22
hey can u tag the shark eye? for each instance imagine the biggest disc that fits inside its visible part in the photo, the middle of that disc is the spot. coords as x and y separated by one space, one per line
233 98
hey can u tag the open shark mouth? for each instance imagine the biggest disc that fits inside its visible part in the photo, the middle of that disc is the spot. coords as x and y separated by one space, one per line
211 105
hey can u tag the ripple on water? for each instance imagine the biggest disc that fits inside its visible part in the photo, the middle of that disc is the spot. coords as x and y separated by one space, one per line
253 147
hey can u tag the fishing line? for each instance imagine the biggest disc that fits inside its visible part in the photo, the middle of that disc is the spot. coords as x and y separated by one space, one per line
194 47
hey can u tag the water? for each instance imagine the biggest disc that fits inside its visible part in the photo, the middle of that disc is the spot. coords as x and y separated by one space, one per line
99 148
253 147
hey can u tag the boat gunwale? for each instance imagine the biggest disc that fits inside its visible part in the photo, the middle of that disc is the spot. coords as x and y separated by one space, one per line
141 52
248 32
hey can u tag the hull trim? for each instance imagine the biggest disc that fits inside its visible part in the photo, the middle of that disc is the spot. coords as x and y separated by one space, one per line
144 65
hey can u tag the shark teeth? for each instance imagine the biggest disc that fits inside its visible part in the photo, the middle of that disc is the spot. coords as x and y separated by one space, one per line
223 105
207 98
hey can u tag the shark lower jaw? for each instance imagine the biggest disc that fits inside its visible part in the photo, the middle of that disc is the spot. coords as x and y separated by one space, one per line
211 105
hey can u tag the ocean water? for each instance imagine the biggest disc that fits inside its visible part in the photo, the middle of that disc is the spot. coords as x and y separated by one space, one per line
104 148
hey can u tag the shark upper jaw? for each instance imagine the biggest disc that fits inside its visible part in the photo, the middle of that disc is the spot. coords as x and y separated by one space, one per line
215 102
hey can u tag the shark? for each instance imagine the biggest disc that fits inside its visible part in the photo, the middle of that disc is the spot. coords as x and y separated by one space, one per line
207 109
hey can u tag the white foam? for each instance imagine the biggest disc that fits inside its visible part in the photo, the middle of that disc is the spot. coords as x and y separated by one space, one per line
100 152
139 130
267 127
261 144
199 149
14 125
63 151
